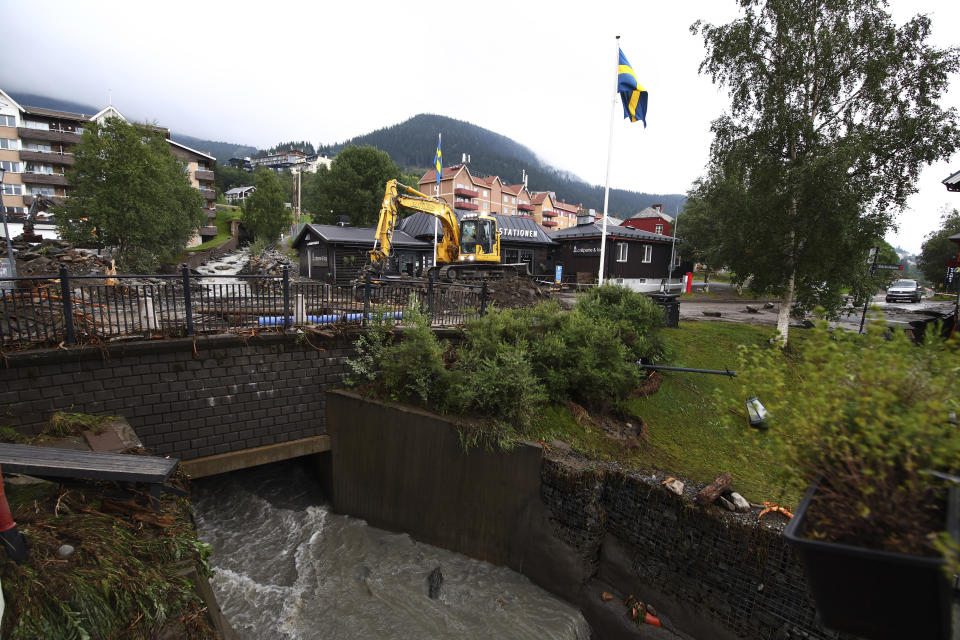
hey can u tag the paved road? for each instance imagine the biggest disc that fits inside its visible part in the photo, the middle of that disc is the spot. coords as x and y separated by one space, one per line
897 314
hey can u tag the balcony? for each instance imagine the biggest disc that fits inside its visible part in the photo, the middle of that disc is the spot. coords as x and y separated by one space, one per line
26 133
44 178
460 204
462 191
523 206
208 194
547 213
549 223
53 157
203 176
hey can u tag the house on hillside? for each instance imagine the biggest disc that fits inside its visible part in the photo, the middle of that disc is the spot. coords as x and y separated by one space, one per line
651 219
238 194
634 258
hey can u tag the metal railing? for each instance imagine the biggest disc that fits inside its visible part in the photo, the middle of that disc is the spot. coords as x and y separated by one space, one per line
71 309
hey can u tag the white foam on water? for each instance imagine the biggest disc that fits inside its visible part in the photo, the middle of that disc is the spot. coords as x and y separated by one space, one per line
289 568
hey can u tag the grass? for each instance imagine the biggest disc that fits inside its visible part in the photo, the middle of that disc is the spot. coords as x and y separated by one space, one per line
225 214
689 437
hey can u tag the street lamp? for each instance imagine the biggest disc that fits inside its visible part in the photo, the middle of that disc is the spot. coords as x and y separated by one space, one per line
6 232
758 414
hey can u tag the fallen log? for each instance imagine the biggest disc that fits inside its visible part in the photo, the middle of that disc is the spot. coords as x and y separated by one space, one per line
710 493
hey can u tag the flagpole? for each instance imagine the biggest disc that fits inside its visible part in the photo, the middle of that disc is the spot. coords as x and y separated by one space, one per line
606 191
436 222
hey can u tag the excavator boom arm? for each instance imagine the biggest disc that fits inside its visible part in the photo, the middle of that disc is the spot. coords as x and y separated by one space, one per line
399 196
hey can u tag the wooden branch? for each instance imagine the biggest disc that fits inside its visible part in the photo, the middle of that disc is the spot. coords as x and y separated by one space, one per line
711 492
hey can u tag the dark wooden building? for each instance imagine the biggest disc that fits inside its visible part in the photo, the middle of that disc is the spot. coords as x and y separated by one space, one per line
336 254
635 258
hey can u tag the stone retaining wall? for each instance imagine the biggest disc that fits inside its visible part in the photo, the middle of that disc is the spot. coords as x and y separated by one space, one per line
185 398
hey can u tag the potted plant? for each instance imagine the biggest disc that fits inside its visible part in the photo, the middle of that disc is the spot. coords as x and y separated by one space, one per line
868 424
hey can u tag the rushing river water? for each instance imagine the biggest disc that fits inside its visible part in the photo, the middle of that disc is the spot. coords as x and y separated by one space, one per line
285 566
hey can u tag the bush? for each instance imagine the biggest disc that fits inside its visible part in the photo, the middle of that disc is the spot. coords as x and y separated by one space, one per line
369 348
413 367
870 414
501 390
635 316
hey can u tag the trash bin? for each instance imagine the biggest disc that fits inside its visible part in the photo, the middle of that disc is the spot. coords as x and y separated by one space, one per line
671 308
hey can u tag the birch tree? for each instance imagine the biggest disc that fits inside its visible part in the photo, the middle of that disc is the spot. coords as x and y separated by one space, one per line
834 109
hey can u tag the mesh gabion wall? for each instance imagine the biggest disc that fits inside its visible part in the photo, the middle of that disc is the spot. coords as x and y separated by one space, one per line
743 576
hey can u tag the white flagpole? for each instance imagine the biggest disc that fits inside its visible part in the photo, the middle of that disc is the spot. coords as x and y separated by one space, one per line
606 191
436 222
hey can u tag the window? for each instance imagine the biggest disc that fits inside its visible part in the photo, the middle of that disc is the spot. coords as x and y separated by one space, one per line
513 200
8 121
42 191
506 199
658 229
13 189
9 143
676 260
12 167
486 205
622 252
35 124
648 253
16 209
37 146
485 193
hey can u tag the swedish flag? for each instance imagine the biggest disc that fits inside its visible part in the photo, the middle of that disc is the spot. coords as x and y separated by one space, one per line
634 96
438 160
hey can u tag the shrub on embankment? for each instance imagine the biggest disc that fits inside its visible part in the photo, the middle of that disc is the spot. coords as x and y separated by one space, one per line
510 363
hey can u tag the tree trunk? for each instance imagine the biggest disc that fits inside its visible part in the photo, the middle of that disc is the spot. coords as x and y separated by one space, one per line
783 319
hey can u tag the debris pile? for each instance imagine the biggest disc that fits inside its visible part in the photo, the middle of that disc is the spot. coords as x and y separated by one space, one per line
269 263
515 293
45 258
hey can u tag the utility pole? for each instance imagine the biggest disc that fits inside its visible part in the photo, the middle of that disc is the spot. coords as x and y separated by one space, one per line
6 231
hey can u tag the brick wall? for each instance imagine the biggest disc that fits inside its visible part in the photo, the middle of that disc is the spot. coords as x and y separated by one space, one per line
184 398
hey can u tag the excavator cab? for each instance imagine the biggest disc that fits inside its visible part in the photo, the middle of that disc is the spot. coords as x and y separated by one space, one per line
477 236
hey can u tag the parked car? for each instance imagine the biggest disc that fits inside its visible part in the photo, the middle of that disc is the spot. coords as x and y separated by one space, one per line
908 290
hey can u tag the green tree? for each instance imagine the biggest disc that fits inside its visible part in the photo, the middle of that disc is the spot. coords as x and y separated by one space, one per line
937 249
227 177
353 186
264 213
834 110
129 192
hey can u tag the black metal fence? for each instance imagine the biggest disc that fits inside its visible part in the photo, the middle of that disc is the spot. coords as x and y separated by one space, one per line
71 309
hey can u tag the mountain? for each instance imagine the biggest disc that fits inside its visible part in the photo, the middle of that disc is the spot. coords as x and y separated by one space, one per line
222 151
411 144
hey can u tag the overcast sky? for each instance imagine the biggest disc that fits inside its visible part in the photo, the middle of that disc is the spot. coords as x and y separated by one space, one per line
541 73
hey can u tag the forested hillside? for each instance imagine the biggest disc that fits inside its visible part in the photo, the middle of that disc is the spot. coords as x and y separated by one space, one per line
222 151
412 144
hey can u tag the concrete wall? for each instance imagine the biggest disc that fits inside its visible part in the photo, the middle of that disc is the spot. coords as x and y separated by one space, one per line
185 398
574 530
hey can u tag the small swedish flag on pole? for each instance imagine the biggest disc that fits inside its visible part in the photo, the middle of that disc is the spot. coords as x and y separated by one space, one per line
438 160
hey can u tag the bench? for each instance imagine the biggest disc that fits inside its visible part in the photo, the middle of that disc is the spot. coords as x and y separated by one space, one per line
49 462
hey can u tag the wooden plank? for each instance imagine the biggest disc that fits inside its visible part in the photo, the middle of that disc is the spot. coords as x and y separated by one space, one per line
67 463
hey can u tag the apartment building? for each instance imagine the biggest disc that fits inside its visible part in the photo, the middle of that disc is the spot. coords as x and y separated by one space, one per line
466 192
36 149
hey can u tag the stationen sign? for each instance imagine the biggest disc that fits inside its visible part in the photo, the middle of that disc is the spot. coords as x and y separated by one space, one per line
890 267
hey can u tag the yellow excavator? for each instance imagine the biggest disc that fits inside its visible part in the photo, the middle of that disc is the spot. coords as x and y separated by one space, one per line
468 250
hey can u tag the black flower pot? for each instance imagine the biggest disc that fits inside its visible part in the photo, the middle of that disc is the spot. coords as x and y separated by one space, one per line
877 595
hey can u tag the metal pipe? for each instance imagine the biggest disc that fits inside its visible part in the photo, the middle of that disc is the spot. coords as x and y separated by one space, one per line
6 231
657 367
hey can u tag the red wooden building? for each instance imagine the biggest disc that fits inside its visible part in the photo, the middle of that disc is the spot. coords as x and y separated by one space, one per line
652 219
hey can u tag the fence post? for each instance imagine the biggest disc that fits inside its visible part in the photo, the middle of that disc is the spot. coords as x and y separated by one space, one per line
286 298
65 294
366 299
430 275
186 297
483 298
